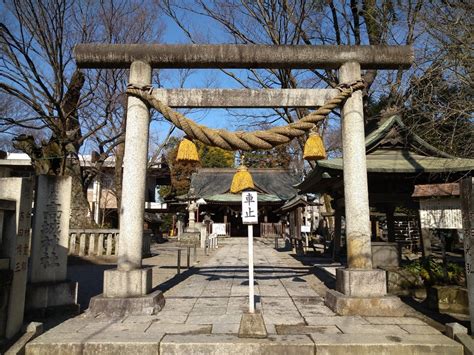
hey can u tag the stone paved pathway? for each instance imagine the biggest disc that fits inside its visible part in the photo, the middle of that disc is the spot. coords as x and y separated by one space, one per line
218 293
202 315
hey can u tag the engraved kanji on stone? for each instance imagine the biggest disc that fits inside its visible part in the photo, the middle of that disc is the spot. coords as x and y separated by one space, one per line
50 233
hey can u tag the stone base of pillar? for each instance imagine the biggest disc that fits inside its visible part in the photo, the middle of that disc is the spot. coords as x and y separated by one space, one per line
363 292
361 282
48 297
389 306
133 283
123 306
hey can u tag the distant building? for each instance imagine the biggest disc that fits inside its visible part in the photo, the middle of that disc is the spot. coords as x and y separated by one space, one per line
211 186
100 194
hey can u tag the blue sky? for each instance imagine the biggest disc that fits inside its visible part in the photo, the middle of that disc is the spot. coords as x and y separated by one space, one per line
215 118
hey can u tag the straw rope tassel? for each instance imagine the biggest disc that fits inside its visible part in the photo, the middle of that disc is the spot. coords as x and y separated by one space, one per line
314 147
242 180
187 151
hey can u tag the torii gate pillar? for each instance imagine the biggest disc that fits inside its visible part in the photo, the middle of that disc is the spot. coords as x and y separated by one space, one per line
127 289
360 290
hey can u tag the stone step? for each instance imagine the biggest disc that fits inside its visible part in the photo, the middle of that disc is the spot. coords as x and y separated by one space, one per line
315 343
217 344
223 344
343 344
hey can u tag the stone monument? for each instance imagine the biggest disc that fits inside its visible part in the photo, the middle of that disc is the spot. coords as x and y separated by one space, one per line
15 247
48 285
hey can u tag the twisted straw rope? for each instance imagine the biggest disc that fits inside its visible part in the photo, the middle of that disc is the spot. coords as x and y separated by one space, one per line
241 140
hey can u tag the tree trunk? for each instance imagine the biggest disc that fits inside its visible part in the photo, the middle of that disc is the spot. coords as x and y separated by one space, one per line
81 216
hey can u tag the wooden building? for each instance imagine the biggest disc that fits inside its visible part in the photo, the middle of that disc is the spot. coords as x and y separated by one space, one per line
397 160
212 185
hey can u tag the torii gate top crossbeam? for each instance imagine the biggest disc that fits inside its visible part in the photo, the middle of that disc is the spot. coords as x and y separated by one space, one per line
241 56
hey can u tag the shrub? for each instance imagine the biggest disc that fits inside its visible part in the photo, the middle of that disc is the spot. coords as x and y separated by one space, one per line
431 272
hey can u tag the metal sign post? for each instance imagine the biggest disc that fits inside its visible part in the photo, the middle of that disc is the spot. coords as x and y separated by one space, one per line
250 217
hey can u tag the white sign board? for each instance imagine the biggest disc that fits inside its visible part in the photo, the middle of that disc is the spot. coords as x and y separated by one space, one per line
218 228
443 213
305 229
249 207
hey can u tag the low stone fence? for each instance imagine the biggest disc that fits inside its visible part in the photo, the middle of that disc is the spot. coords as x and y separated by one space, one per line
100 242
212 241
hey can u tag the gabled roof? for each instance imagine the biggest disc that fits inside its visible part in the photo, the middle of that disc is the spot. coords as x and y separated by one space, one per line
213 184
391 147
392 133
295 202
405 162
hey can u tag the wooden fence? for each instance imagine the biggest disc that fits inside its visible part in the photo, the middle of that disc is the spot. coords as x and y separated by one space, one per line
100 242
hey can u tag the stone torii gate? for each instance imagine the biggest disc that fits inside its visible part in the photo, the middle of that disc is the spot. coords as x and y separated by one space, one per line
360 289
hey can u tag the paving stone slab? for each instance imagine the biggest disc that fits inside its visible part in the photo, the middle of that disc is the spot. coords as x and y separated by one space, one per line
419 329
271 329
212 319
217 311
128 327
230 344
139 319
178 329
280 319
225 328
311 311
273 291
170 317
183 304
223 292
391 329
336 320
304 329
343 344
211 301
394 320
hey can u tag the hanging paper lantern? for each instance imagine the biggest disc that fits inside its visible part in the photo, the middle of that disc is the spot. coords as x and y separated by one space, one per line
242 180
187 151
314 147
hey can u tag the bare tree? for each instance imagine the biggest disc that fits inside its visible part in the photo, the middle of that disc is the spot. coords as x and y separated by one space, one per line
334 22
440 98
80 110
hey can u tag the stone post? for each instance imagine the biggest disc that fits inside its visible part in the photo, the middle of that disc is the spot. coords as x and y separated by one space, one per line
134 173
127 288
179 227
203 236
48 286
360 290
356 193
